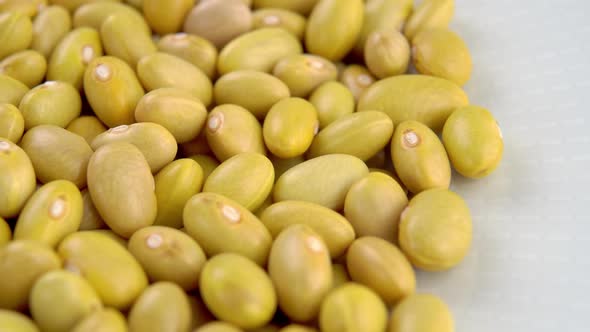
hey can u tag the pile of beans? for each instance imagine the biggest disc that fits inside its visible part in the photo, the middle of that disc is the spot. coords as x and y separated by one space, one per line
233 165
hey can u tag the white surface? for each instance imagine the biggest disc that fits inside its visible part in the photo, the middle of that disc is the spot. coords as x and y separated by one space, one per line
530 266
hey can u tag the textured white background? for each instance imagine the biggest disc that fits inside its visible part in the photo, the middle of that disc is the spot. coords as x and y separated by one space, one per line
530 266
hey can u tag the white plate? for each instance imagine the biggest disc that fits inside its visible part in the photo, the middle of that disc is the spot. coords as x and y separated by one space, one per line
529 269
